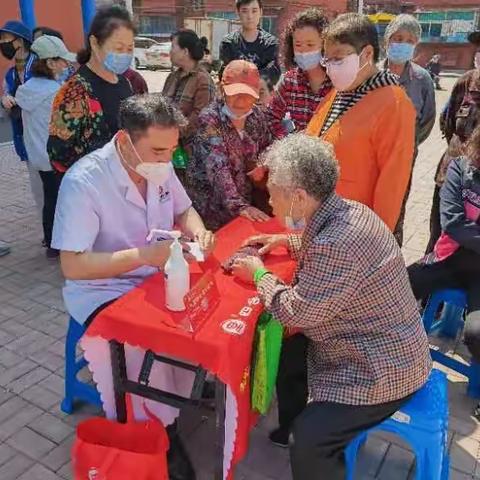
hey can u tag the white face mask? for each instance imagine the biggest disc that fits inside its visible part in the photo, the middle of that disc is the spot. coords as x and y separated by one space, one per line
157 173
343 73
291 224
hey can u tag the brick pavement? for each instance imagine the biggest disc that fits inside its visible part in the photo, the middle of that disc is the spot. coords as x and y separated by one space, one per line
35 437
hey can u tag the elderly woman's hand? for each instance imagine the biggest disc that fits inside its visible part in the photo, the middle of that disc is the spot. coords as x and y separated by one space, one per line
245 268
254 214
269 242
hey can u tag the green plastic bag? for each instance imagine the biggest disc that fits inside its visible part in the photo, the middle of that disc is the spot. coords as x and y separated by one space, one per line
180 158
266 358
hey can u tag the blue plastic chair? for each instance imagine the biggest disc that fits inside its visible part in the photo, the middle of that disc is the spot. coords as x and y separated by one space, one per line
454 303
423 424
74 388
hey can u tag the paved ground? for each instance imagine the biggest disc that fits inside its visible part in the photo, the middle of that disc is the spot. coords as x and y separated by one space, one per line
35 437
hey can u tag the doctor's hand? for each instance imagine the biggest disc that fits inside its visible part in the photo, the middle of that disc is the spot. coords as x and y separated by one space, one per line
156 254
206 240
269 242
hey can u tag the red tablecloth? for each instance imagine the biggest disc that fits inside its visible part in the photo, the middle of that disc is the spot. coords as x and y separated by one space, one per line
140 318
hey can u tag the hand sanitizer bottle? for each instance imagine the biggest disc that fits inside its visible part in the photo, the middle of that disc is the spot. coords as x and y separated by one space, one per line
177 276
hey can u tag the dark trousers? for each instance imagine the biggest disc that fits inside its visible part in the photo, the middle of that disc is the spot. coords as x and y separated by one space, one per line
435 225
292 389
460 270
323 431
398 232
51 184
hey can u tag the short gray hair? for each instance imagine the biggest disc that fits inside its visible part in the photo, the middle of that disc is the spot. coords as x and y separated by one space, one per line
403 22
302 161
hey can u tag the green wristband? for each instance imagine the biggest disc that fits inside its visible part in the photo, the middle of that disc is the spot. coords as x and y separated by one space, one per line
259 274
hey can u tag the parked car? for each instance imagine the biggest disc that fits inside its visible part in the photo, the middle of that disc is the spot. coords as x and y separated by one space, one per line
158 56
142 44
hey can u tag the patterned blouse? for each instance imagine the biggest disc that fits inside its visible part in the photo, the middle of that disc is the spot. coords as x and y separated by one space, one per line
221 157
79 125
295 96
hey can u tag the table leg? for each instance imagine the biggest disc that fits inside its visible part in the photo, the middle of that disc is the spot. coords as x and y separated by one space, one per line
220 407
119 373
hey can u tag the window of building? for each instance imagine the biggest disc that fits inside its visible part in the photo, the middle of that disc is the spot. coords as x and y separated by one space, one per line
269 24
450 26
157 24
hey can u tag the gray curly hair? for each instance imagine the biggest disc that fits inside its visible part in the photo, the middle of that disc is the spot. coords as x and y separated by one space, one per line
302 161
404 22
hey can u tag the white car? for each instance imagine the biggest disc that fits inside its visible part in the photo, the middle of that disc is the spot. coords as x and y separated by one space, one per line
158 56
142 44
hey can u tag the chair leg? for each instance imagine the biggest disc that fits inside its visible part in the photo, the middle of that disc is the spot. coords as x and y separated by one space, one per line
452 318
429 313
473 389
70 373
351 453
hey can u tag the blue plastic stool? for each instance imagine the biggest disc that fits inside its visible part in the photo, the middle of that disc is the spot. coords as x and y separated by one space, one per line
74 388
450 322
423 424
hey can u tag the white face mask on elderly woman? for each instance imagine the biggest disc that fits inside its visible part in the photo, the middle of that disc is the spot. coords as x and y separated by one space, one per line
155 172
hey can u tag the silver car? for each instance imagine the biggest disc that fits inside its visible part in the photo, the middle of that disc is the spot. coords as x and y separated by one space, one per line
158 56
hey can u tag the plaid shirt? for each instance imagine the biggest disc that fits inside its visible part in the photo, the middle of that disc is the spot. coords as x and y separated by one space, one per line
352 298
191 93
294 95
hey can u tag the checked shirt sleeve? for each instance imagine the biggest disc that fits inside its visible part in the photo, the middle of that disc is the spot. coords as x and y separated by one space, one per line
325 285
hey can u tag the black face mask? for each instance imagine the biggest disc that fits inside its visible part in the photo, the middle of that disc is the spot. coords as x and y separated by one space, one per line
8 50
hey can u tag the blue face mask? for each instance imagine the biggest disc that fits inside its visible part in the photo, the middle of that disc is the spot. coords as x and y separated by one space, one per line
226 111
308 61
400 52
118 62
64 75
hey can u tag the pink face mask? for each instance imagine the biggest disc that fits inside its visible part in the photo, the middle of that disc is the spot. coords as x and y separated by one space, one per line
343 72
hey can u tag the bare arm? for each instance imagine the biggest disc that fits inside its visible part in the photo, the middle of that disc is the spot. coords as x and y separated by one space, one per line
98 265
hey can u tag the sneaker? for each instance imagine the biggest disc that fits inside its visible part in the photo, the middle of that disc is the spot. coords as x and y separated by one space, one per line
4 249
52 253
279 437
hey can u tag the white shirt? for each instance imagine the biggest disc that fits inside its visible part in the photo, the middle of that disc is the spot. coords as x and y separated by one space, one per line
100 209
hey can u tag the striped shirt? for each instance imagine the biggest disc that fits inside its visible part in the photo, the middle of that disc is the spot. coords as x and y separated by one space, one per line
344 101
352 299
295 96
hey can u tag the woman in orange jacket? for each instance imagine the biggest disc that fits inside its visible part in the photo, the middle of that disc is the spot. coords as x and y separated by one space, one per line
368 118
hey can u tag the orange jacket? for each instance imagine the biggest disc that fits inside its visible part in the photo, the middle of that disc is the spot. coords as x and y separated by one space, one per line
374 142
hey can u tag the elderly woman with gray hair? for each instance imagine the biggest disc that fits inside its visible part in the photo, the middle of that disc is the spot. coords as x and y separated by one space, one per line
367 348
401 37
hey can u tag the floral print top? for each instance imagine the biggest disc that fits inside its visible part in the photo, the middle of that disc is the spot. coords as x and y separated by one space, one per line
216 176
79 125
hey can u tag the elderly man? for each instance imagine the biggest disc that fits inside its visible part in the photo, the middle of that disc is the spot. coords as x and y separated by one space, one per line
401 38
368 351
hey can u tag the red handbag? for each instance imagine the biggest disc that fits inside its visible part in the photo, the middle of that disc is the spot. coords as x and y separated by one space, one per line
107 450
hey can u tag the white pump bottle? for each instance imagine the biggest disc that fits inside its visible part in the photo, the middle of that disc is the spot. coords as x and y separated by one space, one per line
177 272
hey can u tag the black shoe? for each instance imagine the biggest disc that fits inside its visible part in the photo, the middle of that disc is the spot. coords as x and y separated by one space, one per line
279 437
179 465
52 253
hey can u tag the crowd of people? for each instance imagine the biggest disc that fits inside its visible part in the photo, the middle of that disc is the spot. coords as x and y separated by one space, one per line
327 147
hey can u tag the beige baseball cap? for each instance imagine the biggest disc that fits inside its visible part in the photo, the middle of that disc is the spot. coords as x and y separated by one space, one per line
47 46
